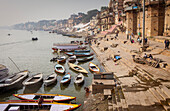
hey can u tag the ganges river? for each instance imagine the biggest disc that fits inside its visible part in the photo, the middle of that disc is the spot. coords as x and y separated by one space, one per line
35 56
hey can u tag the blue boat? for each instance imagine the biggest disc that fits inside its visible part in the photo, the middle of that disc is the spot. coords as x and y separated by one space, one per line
79 54
66 78
81 51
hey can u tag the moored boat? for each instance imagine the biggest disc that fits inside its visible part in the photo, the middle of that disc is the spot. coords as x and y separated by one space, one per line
72 58
67 47
94 68
79 54
46 97
37 78
81 51
16 105
3 71
59 68
85 59
77 68
66 78
50 79
61 59
13 81
79 79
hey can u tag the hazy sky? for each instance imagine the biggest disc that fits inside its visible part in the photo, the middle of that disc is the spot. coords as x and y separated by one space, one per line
21 11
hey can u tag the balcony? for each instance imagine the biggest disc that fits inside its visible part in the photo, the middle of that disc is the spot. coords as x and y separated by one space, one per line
130 2
153 2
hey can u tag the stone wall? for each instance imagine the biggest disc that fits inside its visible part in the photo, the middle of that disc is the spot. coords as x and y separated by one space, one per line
167 21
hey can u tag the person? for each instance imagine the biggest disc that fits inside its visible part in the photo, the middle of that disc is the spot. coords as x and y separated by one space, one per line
166 44
127 36
150 56
146 40
40 101
145 56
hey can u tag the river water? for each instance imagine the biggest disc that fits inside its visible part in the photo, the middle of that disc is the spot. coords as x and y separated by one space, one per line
35 56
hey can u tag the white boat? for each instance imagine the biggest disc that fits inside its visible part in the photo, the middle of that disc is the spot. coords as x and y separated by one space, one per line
79 79
46 97
37 78
72 58
59 68
50 79
16 105
93 67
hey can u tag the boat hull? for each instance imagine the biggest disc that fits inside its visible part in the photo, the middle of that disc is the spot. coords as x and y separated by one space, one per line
15 84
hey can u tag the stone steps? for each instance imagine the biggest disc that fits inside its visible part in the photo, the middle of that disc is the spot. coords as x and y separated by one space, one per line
118 100
161 97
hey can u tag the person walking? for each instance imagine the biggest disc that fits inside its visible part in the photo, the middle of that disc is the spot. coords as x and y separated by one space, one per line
166 44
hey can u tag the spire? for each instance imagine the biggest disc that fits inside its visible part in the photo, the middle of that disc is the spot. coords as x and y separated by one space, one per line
110 4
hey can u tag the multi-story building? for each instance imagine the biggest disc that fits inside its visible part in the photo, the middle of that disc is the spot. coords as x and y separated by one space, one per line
118 10
106 18
154 17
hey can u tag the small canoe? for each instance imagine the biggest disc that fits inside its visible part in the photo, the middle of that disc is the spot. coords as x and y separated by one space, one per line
79 79
72 58
46 97
69 53
81 51
61 59
85 59
77 68
94 68
66 78
16 105
37 78
59 68
50 79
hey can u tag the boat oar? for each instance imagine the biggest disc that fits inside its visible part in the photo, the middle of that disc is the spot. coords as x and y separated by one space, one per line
14 64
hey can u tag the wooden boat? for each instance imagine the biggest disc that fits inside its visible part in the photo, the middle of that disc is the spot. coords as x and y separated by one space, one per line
33 79
72 58
85 59
81 51
61 59
59 68
67 47
66 78
79 79
77 68
13 81
79 54
3 71
46 97
16 105
50 79
35 38
94 68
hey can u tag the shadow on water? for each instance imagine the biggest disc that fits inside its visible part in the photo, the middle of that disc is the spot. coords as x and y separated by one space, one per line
49 88
33 88
78 86
64 86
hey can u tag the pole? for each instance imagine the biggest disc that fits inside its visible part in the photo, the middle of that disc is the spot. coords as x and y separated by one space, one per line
143 37
14 64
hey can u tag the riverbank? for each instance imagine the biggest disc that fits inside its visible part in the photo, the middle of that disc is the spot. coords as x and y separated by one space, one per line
142 87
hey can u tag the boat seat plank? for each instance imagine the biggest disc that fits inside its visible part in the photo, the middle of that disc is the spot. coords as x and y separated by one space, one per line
3 106
60 107
27 96
60 97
